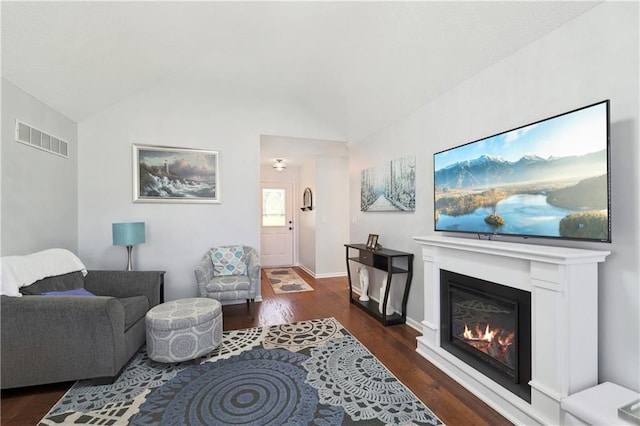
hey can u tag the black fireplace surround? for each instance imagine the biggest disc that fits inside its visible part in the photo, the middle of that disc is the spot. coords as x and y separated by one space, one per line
488 326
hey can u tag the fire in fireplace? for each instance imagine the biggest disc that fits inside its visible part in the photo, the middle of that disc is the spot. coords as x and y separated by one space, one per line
487 325
497 342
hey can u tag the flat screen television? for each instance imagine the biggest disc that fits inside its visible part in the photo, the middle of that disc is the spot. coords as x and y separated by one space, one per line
548 179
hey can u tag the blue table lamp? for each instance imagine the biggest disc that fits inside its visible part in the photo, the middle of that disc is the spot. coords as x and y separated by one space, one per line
128 234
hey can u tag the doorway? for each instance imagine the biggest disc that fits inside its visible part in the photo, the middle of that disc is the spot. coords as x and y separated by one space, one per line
276 224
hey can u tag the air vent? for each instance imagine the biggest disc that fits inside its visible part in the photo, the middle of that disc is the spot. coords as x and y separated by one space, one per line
38 139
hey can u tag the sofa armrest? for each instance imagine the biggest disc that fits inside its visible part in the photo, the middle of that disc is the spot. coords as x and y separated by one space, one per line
125 284
48 338
204 273
253 266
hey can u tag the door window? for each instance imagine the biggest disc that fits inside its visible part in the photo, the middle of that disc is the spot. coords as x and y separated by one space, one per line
273 207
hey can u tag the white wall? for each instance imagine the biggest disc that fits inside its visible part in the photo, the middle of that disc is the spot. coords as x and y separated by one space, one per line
307 220
331 204
174 114
592 58
39 189
324 230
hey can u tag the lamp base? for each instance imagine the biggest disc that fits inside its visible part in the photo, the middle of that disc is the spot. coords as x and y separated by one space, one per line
129 250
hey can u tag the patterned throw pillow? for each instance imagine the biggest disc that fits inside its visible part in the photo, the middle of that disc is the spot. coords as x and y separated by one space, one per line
229 261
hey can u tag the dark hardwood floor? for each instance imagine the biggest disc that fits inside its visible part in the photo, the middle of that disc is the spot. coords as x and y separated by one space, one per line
395 346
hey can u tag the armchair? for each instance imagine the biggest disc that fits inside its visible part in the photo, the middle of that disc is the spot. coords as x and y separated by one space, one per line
229 273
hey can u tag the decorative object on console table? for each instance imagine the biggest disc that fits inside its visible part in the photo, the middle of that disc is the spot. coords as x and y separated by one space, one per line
390 261
128 234
372 241
364 283
383 295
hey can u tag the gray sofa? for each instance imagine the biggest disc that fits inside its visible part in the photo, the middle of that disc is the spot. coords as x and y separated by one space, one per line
48 339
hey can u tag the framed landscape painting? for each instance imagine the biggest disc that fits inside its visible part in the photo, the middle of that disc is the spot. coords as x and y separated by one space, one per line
390 186
175 175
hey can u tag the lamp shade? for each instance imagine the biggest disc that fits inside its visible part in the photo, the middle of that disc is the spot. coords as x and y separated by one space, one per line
128 234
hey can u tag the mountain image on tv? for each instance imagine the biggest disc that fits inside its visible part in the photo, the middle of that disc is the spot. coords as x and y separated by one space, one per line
547 179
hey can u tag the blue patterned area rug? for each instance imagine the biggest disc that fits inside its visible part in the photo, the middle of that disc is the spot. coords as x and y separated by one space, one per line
305 373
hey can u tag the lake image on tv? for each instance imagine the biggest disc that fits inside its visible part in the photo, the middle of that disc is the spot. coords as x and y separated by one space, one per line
527 197
523 214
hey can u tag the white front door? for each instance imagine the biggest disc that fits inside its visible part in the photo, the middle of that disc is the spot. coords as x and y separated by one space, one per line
276 224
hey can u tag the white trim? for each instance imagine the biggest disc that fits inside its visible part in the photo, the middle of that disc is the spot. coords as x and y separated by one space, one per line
331 275
325 275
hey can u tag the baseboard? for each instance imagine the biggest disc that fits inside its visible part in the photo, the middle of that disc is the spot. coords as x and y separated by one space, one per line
332 275
307 270
414 324
326 275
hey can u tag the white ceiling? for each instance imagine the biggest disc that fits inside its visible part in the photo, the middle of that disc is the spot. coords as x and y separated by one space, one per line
358 65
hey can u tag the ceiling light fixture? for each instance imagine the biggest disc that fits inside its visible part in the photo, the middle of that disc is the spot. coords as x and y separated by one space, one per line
279 164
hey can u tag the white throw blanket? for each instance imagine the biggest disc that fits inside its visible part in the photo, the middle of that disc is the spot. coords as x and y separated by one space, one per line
21 271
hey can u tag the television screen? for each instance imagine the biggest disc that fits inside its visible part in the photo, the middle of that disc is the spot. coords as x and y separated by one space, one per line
546 179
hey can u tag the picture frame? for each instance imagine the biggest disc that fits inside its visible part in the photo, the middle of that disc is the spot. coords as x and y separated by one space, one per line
163 174
372 241
389 187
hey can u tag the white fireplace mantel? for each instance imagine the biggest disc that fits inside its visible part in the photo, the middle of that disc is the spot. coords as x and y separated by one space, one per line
563 283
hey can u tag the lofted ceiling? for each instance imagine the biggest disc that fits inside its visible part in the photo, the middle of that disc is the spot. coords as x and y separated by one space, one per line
359 66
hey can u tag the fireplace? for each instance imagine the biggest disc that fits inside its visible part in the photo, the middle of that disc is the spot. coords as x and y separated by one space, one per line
562 323
488 326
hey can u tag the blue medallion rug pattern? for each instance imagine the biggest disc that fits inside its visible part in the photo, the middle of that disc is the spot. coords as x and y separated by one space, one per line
305 373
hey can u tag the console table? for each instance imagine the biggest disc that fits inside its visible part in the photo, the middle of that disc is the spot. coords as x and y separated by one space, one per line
391 261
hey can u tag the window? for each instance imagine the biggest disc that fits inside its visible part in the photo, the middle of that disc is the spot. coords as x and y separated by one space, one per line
273 207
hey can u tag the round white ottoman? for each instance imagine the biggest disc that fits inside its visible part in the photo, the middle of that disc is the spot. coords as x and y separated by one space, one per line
183 329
